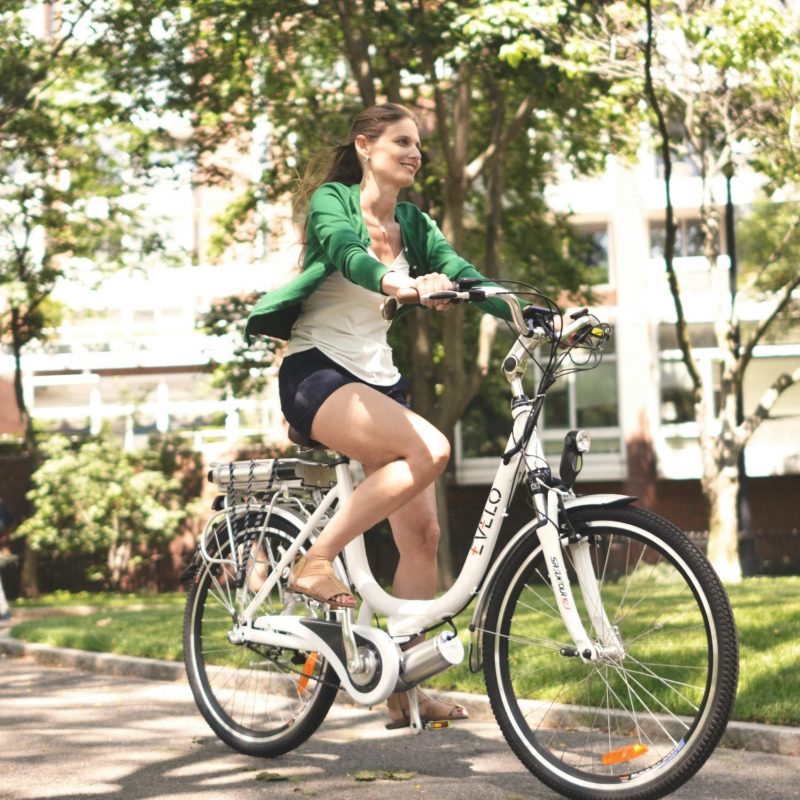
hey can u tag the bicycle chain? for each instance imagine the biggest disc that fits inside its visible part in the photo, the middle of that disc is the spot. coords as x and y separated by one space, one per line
288 669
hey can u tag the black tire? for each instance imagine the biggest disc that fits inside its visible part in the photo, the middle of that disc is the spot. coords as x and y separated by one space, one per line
654 716
257 699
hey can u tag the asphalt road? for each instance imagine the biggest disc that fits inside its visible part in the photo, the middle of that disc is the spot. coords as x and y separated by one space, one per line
70 734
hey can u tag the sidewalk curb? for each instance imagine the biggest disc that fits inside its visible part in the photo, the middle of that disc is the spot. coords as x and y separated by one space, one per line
776 739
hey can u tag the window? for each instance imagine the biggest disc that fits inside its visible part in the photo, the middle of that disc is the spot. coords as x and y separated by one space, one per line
596 241
144 317
584 400
677 403
688 238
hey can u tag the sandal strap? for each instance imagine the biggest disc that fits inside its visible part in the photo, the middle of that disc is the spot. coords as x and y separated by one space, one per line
320 580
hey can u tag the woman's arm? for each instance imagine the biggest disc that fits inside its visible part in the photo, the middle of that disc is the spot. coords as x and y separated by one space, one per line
331 223
443 258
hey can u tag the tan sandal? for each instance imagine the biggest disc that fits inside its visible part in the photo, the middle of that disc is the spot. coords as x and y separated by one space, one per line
430 710
319 582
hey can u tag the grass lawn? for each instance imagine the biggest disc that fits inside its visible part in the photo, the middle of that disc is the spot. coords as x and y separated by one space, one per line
767 614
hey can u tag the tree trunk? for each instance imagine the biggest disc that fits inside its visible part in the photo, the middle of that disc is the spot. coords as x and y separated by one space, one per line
19 393
29 578
4 609
723 540
720 480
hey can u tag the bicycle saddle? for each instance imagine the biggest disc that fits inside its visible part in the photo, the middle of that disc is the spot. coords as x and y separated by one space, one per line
295 437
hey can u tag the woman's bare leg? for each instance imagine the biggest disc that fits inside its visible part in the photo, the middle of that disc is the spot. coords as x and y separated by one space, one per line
405 454
415 529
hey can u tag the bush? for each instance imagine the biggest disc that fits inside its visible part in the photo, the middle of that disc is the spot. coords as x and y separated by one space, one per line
112 506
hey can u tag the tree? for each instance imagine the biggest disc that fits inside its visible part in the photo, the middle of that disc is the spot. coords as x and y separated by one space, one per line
728 95
246 372
72 155
116 507
70 161
300 72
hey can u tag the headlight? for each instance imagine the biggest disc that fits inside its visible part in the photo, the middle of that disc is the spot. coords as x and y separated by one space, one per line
576 443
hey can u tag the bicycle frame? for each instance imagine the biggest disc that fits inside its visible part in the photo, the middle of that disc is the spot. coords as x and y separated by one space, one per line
407 618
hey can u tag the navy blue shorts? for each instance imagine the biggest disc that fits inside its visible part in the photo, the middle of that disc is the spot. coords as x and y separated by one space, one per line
306 380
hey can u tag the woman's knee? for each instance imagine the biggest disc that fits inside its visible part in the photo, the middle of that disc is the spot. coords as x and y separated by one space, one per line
432 454
422 542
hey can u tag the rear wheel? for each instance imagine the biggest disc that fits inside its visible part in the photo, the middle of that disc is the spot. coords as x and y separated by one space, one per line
260 700
636 725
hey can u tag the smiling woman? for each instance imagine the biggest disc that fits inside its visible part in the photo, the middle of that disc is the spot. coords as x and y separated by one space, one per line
338 382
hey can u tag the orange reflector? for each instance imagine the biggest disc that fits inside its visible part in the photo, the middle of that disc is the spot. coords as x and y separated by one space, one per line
627 753
308 668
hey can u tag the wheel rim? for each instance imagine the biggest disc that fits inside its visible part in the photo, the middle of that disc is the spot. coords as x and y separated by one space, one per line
638 715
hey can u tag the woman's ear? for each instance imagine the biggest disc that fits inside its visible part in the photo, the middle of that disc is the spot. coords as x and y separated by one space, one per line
362 144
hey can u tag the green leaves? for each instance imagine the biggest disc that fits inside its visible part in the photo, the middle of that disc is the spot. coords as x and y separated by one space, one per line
99 500
247 371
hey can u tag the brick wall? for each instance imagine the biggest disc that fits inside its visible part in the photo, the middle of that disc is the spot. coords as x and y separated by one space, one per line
773 502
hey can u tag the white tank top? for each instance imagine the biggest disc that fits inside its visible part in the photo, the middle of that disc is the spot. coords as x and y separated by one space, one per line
343 320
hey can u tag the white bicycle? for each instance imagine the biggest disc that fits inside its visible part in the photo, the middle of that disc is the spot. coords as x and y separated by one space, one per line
607 641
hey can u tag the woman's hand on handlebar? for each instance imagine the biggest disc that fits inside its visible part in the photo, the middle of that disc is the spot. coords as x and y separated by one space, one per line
412 290
433 282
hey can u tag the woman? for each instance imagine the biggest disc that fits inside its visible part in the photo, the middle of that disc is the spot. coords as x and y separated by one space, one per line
338 383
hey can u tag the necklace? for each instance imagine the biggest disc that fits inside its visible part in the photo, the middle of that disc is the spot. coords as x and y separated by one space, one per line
376 222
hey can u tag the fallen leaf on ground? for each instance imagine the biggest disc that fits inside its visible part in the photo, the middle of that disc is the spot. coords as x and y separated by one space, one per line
383 775
271 776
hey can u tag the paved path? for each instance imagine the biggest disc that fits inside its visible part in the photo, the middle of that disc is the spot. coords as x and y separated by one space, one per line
73 735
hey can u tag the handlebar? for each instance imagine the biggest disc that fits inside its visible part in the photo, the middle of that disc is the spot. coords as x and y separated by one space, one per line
529 322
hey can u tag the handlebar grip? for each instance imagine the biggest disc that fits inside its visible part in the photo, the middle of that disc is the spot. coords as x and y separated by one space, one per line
407 296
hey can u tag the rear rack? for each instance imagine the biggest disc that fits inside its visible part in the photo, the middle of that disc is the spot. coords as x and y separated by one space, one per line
262 475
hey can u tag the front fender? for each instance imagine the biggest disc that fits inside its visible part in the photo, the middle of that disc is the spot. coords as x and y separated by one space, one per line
599 500
479 614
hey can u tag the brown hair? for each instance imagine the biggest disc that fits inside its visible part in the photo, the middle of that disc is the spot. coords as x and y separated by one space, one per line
341 163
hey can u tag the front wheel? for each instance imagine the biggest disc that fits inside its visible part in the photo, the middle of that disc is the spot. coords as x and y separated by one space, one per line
634 724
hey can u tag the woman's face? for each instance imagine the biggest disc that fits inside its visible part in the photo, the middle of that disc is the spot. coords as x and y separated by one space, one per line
394 157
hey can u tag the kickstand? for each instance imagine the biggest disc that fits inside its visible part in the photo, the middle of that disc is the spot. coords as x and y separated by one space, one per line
413 711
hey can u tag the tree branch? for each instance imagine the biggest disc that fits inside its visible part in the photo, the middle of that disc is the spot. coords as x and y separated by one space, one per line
357 51
681 326
461 121
784 296
765 405
501 140
775 254
41 75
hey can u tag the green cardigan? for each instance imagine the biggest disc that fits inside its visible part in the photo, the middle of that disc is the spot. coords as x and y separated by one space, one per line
338 239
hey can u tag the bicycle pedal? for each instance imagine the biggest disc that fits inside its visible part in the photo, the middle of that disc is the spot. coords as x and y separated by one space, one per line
438 724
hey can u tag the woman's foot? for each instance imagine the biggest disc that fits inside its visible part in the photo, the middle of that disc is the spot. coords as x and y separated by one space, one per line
430 710
314 577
